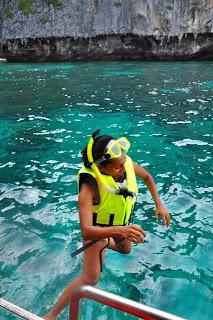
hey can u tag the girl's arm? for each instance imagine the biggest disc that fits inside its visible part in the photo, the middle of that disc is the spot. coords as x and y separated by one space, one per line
89 232
160 209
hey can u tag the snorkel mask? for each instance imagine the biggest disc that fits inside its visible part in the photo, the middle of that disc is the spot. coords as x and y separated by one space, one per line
114 150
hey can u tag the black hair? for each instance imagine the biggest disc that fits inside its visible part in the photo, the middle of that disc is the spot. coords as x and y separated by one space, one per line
98 149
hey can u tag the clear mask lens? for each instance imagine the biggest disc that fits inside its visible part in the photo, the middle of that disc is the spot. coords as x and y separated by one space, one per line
115 150
124 143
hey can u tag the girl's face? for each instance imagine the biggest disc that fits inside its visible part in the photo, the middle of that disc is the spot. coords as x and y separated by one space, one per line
115 168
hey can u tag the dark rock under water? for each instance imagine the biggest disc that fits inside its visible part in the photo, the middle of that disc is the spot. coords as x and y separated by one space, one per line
110 47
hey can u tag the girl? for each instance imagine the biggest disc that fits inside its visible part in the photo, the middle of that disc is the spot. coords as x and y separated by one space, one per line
107 194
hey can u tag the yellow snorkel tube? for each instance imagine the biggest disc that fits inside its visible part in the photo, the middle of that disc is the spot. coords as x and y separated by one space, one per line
94 166
124 192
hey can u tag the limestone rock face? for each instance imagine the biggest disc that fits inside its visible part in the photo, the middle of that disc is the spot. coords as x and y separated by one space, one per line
68 30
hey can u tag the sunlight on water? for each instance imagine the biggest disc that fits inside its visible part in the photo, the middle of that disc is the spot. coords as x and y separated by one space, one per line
47 113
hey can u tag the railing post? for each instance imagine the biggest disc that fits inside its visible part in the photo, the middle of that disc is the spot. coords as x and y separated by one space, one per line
126 305
75 304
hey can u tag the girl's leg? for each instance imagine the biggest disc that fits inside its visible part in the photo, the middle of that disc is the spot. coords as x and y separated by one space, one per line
120 245
90 276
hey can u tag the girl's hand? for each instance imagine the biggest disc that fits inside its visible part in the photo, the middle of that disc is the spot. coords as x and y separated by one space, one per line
164 213
133 233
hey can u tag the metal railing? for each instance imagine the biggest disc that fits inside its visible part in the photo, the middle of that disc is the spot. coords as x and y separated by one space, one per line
137 309
18 311
126 305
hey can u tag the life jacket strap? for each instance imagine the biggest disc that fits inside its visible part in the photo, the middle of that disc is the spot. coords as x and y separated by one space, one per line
83 248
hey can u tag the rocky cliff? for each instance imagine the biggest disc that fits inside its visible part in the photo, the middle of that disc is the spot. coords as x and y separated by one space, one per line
69 30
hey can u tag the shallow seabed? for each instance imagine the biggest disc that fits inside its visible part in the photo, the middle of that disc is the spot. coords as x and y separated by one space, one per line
47 113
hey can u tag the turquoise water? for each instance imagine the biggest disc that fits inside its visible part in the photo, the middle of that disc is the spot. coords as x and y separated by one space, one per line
47 113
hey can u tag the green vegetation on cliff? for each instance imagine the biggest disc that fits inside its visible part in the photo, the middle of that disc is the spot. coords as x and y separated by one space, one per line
55 3
8 12
27 7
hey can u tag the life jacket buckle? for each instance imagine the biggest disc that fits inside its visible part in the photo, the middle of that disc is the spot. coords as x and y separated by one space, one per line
126 193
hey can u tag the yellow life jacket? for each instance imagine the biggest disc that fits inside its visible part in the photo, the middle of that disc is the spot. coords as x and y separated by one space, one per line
114 209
